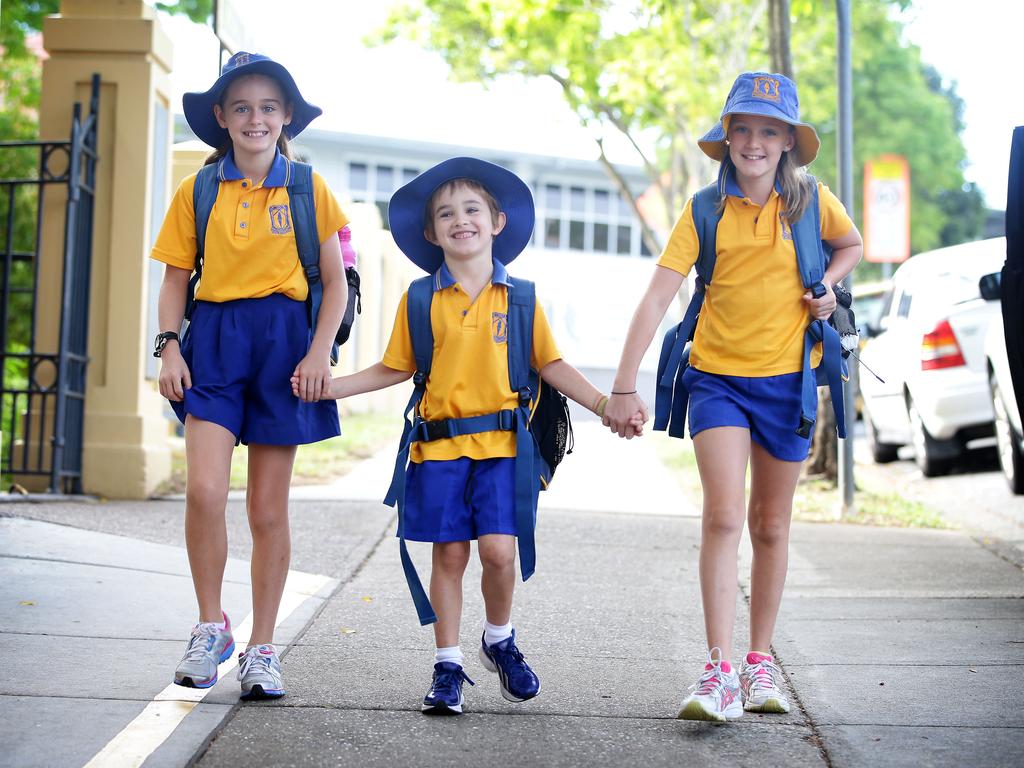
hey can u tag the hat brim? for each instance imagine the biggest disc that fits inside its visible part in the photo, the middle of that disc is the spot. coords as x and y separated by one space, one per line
408 206
198 107
807 142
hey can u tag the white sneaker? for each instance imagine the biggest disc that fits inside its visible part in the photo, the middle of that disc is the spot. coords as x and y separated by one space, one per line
259 669
761 689
716 695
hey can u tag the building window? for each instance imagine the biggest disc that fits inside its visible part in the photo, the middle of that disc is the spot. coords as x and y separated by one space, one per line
358 177
576 235
601 237
624 237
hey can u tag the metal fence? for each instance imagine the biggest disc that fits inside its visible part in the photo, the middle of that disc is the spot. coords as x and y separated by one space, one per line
42 411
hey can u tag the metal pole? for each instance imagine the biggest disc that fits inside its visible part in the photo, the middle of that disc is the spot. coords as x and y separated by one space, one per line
845 161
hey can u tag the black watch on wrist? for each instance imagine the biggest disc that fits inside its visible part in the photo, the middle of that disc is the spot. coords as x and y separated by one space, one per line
161 341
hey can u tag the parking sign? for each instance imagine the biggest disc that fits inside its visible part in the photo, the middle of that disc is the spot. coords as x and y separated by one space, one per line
887 209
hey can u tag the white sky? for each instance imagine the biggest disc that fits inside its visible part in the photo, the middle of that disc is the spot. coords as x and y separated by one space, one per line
401 91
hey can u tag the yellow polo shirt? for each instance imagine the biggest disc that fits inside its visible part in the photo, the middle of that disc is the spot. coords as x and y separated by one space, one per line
469 369
250 245
754 317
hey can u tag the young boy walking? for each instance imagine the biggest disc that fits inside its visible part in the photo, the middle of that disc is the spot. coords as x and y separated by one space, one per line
463 221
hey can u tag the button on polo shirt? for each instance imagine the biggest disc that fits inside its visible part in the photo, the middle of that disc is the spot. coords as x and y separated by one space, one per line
250 242
754 317
469 370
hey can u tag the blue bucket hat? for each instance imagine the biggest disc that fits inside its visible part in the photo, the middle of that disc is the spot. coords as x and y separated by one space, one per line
769 95
408 209
199 106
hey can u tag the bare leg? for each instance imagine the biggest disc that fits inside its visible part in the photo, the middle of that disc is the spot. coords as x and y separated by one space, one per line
498 582
772 484
722 454
449 561
208 448
270 474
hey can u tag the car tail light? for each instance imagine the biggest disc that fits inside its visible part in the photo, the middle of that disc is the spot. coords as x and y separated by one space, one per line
940 349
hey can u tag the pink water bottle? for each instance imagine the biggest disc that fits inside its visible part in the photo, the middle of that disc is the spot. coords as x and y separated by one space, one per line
348 253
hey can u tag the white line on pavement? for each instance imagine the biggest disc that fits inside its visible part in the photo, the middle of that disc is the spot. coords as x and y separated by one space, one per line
151 728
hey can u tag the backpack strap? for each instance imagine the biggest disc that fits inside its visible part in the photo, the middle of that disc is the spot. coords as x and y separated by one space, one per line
204 195
671 397
420 296
307 238
812 261
522 302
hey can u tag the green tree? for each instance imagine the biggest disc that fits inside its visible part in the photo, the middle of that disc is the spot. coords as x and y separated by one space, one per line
658 72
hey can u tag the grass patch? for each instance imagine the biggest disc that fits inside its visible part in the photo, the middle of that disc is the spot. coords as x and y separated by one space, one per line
816 500
363 434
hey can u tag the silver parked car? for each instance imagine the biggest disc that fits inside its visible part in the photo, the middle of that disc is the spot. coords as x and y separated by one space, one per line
1009 434
930 351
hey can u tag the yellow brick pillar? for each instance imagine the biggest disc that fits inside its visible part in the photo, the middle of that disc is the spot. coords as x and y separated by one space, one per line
126 452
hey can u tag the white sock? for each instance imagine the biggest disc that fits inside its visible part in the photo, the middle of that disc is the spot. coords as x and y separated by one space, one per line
495 633
452 654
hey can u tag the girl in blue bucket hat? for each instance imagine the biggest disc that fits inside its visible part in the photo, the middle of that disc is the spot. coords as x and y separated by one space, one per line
746 362
228 377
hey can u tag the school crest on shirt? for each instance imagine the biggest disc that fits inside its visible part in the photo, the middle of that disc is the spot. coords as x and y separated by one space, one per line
280 220
787 231
499 327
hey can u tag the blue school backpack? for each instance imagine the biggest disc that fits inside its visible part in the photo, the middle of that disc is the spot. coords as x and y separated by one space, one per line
307 242
671 398
540 421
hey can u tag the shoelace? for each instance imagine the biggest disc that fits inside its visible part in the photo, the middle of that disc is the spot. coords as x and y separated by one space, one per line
710 682
512 653
253 657
203 637
446 681
762 675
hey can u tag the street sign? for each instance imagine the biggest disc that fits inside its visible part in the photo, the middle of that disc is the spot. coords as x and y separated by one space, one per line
887 209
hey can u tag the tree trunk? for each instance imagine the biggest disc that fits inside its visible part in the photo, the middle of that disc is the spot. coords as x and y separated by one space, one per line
824 457
778 42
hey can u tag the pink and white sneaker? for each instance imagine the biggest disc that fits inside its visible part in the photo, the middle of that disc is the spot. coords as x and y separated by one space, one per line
716 695
759 679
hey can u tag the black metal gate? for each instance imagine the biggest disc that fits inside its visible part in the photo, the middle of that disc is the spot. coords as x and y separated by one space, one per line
42 413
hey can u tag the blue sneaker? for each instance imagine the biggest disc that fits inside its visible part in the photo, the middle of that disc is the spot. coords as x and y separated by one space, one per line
518 682
445 696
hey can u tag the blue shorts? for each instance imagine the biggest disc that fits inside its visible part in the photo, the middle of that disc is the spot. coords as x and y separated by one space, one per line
769 406
241 355
459 499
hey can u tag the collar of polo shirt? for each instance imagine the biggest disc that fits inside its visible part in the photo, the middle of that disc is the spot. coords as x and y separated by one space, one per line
279 175
732 188
443 278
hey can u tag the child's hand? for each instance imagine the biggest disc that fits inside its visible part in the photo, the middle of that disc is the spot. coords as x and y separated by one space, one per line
175 377
625 415
821 309
311 379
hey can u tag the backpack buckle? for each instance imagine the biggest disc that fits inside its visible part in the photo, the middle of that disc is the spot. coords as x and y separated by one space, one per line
525 395
312 274
437 430
419 379
506 420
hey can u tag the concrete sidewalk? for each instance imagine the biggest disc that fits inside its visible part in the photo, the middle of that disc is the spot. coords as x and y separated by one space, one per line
902 647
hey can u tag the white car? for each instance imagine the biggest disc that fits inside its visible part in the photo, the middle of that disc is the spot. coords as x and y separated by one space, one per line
930 352
1009 435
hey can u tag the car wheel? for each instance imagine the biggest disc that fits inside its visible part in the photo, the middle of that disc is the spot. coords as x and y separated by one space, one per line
882 453
1011 458
929 453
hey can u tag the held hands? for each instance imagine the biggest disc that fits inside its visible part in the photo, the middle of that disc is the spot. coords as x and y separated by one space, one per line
311 379
625 415
821 309
175 377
